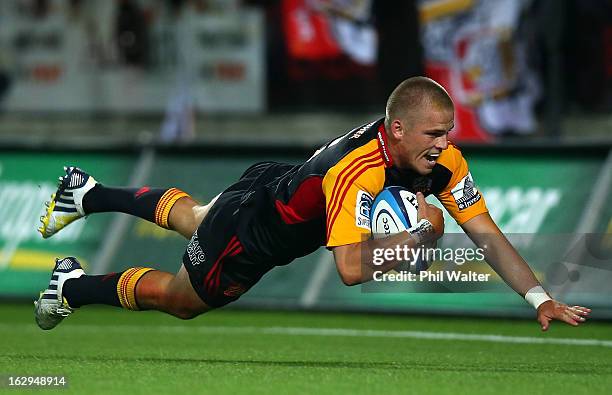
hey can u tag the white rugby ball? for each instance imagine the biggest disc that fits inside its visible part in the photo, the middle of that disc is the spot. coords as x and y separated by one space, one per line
395 210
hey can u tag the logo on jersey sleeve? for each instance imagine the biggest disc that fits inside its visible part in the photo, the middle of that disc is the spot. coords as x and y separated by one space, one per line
465 192
362 209
361 130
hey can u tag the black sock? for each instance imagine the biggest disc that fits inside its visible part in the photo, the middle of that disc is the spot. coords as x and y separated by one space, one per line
92 290
140 202
114 289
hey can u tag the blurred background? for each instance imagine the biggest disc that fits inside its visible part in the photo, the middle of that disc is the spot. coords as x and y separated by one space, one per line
190 93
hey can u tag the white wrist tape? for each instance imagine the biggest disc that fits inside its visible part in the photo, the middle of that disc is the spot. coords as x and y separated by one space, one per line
536 296
421 231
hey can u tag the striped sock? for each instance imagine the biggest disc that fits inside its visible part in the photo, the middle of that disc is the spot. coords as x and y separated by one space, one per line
126 286
152 204
113 289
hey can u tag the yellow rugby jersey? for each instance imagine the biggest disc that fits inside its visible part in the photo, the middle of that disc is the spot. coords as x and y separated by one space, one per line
349 188
354 181
327 199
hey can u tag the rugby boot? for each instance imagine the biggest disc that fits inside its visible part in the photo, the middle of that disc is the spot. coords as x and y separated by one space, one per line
66 204
51 307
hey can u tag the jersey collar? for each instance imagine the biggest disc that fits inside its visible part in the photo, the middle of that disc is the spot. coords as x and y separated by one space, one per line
383 145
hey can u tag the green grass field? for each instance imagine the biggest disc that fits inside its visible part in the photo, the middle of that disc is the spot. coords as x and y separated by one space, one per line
104 350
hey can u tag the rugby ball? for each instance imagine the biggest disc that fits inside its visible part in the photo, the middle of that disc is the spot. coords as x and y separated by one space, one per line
395 210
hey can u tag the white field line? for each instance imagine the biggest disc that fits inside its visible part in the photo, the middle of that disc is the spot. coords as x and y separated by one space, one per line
121 222
324 266
326 332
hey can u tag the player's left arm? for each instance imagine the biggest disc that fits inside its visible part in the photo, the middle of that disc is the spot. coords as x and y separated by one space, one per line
513 269
466 205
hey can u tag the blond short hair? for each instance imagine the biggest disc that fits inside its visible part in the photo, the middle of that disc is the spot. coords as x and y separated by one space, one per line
414 94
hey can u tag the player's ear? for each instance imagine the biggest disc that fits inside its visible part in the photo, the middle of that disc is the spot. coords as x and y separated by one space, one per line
397 129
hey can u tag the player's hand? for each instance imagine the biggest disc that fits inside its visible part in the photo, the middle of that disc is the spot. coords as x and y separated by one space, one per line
553 310
432 214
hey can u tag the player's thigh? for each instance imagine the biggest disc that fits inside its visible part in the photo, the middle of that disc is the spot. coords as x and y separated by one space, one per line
187 214
183 297
199 212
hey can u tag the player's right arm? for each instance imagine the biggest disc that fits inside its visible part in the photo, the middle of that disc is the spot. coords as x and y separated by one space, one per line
355 261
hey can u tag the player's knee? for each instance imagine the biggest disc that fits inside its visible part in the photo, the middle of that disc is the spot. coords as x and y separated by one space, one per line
186 311
185 308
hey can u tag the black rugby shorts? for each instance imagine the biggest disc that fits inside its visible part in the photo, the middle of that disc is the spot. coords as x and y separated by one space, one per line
219 268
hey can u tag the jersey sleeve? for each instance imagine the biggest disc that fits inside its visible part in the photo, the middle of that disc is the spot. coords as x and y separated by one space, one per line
348 198
460 197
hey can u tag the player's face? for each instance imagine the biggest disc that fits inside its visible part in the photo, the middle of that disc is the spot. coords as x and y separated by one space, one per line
423 139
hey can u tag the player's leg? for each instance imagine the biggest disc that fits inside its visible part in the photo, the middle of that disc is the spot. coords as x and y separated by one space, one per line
136 288
79 194
169 293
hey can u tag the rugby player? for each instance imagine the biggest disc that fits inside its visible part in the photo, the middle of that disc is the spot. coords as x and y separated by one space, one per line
277 212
